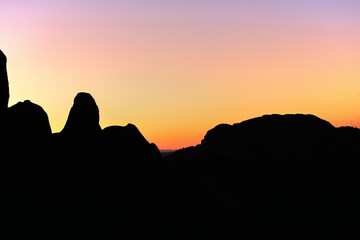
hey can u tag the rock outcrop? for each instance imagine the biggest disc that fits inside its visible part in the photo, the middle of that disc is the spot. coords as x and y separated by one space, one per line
4 84
301 138
26 119
83 119
128 146
294 167
103 156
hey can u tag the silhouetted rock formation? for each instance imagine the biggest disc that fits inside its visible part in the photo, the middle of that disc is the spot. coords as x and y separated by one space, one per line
272 177
117 165
270 136
102 160
273 164
127 146
26 119
79 142
83 119
4 85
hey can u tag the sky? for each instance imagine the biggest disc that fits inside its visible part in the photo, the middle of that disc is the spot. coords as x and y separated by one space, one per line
177 68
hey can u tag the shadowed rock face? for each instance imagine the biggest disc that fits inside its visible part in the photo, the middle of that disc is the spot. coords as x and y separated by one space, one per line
4 85
83 118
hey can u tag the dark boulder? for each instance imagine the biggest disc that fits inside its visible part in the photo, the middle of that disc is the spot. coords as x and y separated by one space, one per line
129 147
83 119
27 120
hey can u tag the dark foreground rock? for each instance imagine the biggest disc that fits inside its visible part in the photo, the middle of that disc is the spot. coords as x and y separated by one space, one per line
273 177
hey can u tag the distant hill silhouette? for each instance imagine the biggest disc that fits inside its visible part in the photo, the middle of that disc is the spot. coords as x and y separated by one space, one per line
271 177
271 136
295 167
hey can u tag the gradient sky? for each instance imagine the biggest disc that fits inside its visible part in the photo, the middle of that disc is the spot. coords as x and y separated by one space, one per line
176 69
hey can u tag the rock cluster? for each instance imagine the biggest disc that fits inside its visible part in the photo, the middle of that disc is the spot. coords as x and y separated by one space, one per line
271 177
82 150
